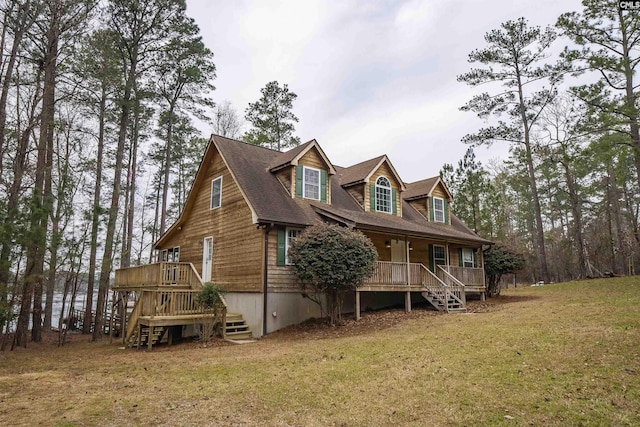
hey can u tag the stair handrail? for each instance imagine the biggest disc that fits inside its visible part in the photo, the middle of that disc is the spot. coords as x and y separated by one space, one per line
442 287
132 323
458 286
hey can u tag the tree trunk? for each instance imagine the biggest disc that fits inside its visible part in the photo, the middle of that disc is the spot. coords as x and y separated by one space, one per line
107 261
127 242
167 167
540 248
95 215
576 211
24 23
37 234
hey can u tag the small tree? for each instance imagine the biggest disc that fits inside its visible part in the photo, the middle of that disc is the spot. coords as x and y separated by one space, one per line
210 298
499 260
272 118
330 260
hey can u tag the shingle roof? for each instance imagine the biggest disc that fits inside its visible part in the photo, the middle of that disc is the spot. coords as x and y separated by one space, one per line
284 159
358 173
271 203
423 188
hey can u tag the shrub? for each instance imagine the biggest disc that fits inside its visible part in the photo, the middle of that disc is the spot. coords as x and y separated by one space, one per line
330 260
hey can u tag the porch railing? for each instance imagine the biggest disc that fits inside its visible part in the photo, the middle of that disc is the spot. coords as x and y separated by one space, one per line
456 287
158 274
473 277
443 286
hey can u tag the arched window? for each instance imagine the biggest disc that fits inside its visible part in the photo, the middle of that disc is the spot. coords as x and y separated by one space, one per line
383 195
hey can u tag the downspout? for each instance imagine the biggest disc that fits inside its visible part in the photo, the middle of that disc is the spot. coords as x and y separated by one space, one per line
265 278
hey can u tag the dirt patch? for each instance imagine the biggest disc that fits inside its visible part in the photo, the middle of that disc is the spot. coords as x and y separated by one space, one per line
372 321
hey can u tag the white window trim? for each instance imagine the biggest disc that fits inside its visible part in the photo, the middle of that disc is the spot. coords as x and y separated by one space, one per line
211 206
444 251
287 261
304 182
435 211
390 195
469 251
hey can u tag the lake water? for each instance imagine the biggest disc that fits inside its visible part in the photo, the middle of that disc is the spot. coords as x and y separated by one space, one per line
80 303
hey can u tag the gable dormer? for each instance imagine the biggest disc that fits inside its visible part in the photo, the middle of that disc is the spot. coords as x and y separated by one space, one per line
375 184
431 198
305 172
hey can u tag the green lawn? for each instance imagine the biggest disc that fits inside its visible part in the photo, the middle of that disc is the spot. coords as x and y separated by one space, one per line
563 354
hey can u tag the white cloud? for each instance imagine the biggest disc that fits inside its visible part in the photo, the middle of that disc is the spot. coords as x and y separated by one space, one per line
372 77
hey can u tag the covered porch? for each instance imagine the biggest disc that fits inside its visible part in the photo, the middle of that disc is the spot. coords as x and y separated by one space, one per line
410 264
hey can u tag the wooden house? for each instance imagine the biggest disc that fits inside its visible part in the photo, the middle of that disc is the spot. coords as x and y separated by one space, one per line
247 204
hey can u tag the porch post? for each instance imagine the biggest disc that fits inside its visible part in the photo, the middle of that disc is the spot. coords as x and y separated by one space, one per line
357 310
407 301
446 245
406 248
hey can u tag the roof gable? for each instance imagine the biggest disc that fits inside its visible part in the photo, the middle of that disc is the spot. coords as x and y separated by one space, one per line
362 172
293 156
424 188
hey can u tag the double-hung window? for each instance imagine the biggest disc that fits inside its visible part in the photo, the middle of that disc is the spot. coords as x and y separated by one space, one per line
467 257
383 195
439 255
311 183
216 193
438 209
292 234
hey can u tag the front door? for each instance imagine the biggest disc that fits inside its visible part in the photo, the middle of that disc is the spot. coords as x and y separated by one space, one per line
399 258
207 258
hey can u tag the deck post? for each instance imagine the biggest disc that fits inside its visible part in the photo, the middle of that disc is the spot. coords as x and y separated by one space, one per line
357 310
407 301
150 337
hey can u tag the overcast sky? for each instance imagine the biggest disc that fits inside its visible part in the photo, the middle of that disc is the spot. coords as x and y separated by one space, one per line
372 77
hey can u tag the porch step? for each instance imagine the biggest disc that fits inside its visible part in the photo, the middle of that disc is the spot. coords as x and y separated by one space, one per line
143 340
452 304
236 327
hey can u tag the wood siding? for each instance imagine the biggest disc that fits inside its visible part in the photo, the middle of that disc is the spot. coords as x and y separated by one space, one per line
358 192
237 244
279 277
287 179
421 206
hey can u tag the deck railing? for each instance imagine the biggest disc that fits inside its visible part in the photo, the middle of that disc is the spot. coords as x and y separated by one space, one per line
168 303
158 274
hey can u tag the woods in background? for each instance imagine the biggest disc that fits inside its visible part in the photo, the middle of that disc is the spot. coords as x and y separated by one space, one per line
568 196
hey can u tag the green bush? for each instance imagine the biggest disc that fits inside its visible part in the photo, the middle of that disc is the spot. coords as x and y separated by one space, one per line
210 295
330 260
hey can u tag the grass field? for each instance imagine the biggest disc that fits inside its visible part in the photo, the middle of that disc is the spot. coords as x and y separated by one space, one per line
563 354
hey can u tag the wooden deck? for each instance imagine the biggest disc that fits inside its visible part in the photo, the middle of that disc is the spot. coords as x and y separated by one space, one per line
165 295
158 275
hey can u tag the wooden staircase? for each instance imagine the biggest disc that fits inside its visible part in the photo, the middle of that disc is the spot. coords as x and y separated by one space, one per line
236 328
155 332
444 301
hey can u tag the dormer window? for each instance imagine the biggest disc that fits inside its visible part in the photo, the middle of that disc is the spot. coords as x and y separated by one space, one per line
438 209
311 183
383 195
